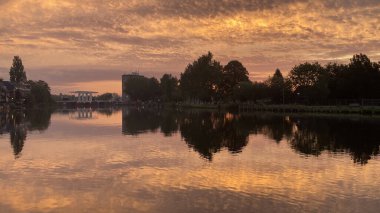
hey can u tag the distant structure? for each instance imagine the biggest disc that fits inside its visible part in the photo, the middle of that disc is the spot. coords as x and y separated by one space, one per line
125 79
84 96
11 92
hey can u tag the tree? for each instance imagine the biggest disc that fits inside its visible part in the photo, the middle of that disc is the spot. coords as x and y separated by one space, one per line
39 94
359 79
243 91
154 90
278 87
201 79
260 90
233 73
105 97
337 83
17 73
169 87
143 89
310 81
363 77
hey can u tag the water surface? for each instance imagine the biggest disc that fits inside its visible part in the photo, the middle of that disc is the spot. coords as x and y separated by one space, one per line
133 160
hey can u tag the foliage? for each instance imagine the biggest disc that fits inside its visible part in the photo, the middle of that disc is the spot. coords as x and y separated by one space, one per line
233 73
107 96
39 94
363 77
260 90
310 81
17 73
201 79
280 88
142 89
243 91
169 88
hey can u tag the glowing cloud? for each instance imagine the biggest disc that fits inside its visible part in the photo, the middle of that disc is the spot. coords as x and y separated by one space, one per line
108 38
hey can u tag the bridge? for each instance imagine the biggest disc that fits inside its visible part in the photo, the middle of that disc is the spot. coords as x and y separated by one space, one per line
81 97
84 96
86 99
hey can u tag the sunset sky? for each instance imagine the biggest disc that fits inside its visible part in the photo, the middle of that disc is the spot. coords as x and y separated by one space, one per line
89 44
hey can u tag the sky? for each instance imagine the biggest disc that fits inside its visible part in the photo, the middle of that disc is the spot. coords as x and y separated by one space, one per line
89 44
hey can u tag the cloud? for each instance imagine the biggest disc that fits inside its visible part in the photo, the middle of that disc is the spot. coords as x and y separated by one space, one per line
207 8
159 36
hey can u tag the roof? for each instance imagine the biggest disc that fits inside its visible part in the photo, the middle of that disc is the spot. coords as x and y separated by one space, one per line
133 74
9 85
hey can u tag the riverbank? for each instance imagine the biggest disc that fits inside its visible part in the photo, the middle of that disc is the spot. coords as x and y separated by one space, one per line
245 107
365 110
293 108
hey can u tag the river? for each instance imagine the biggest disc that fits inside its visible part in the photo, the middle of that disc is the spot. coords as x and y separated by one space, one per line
136 160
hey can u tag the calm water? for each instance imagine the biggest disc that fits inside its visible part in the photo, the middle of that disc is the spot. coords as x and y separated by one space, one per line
191 161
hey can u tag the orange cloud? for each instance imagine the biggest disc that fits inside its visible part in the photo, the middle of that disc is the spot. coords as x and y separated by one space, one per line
163 36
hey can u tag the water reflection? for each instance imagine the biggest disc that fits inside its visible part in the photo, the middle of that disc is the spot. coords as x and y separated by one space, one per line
359 137
136 121
208 132
18 123
187 161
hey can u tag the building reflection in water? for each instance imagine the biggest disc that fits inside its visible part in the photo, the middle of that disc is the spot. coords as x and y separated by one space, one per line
18 123
82 114
209 132
87 113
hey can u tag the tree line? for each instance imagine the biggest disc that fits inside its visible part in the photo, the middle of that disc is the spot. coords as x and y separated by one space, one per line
39 91
207 80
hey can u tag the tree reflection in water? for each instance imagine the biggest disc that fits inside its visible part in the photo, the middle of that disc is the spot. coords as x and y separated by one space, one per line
18 123
209 132
360 137
137 121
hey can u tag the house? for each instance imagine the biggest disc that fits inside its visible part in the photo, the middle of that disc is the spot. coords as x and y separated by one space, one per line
7 91
10 92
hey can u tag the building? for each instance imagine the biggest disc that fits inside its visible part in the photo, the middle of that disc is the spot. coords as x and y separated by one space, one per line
7 91
10 92
125 79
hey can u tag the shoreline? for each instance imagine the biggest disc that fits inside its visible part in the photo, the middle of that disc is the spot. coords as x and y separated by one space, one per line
349 110
362 110
242 107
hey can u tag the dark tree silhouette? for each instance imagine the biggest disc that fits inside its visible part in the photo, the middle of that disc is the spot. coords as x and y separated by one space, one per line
201 79
39 94
310 81
233 73
169 88
280 88
105 97
17 73
143 89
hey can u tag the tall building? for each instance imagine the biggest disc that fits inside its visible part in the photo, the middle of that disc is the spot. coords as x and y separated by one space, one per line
125 79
